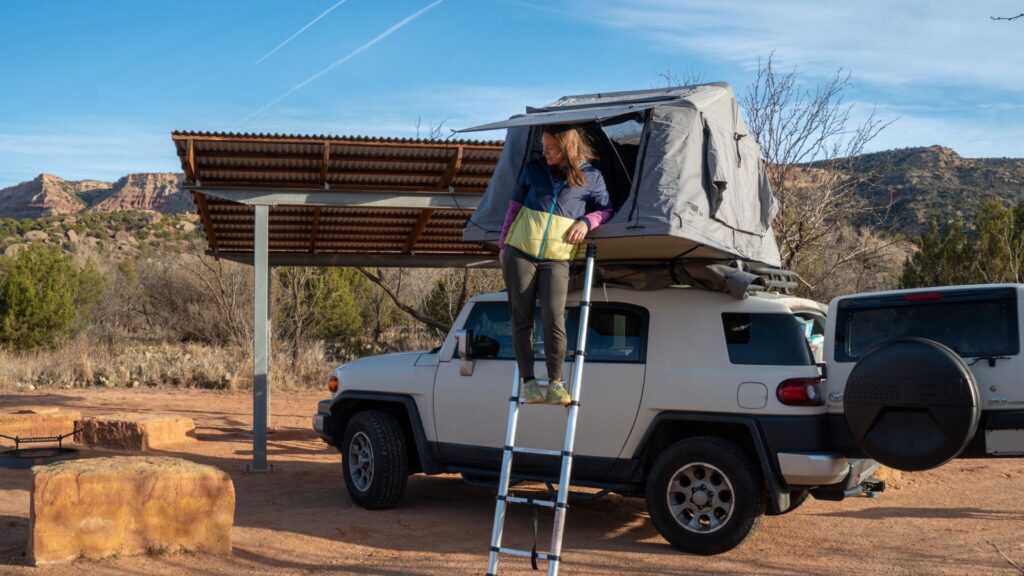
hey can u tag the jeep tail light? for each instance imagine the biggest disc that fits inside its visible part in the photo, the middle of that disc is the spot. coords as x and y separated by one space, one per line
800 392
332 384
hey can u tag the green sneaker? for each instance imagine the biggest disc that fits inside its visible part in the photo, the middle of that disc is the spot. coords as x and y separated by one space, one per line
531 393
557 394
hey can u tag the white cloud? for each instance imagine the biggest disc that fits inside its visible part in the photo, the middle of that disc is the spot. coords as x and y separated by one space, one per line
101 153
889 43
970 135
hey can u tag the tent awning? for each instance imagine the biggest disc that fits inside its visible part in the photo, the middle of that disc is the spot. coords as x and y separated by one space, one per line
545 117
605 105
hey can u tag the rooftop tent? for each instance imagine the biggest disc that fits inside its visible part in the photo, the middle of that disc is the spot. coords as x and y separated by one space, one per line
686 178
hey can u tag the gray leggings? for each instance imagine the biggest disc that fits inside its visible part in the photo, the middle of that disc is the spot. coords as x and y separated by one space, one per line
526 278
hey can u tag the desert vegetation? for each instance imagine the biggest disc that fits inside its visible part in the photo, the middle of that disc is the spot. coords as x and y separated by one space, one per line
130 299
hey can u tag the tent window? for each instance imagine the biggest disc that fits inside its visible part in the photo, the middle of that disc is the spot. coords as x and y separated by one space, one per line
621 148
616 142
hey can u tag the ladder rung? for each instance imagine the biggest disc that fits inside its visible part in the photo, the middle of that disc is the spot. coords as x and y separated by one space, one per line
526 554
530 501
541 451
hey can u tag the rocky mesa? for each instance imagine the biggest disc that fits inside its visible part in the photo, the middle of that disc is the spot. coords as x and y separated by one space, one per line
47 195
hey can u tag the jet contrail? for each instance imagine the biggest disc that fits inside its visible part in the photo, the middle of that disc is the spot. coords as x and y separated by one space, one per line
301 30
348 57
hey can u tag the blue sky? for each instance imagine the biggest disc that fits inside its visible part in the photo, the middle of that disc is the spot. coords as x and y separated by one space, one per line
93 88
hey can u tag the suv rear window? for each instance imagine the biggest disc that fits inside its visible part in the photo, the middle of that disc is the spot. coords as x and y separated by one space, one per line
972 323
766 339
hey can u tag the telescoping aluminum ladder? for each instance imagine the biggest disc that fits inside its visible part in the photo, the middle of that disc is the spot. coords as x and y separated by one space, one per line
553 556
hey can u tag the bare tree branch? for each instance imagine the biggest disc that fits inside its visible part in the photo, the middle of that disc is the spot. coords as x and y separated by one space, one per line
411 311
1010 18
811 154
668 78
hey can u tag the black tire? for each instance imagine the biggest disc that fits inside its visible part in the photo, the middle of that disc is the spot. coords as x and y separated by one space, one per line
796 498
726 499
374 459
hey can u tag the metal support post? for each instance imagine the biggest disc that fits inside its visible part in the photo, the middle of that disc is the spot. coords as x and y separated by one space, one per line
261 340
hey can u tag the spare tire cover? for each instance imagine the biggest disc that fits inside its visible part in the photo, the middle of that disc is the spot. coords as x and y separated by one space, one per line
911 404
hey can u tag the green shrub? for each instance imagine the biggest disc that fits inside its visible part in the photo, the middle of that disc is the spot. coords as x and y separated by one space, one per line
42 295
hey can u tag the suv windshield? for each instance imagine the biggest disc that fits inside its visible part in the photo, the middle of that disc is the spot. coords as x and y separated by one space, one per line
972 323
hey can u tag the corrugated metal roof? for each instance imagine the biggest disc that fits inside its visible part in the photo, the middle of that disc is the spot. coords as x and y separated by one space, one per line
311 165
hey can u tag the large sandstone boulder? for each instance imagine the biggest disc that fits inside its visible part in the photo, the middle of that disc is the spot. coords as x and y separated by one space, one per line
126 505
136 432
36 421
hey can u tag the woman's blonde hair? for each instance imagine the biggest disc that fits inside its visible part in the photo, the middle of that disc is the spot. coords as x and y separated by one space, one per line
575 150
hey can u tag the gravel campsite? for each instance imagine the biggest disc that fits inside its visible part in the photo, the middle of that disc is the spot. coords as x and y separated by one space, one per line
963 518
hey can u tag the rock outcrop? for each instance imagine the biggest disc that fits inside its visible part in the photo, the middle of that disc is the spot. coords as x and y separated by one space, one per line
135 432
161 192
101 507
46 195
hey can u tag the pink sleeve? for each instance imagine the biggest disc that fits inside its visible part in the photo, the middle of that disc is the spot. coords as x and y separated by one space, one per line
510 215
598 217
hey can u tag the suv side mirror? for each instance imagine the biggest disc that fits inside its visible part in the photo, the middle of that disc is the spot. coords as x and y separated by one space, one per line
464 345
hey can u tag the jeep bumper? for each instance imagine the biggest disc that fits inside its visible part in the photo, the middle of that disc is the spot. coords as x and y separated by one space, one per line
322 422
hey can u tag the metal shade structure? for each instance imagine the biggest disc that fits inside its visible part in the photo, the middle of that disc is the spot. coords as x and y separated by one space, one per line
291 200
348 200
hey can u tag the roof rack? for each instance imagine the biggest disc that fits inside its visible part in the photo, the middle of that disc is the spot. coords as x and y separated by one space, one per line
776 279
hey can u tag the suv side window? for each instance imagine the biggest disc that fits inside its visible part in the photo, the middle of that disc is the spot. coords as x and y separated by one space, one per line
766 339
491 324
616 333
492 331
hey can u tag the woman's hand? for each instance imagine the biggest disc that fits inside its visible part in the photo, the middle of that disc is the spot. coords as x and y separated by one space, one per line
577 233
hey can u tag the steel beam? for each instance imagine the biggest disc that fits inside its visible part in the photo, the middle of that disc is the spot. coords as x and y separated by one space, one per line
369 199
375 260
261 341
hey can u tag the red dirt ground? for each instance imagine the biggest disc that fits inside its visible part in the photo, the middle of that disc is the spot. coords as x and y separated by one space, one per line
964 518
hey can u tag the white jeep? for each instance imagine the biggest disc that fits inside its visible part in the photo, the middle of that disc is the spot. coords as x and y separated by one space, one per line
918 377
709 406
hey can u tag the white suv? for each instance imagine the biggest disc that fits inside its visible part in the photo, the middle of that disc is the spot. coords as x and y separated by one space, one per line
709 406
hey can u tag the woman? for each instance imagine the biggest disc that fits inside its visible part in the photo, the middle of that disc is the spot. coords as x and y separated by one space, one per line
558 200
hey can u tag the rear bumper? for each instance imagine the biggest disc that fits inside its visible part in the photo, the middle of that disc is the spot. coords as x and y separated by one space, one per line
322 424
861 471
809 469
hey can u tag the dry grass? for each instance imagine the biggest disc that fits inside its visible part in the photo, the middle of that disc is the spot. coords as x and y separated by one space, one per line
85 363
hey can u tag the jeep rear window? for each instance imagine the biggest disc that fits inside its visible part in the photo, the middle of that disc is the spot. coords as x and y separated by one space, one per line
972 323
766 339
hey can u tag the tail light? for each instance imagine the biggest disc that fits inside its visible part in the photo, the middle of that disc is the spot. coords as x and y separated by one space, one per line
332 384
918 296
800 392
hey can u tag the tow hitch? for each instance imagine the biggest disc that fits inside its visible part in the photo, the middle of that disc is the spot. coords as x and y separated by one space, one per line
872 486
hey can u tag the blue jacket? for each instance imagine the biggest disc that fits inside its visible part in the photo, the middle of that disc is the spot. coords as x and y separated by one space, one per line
544 206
